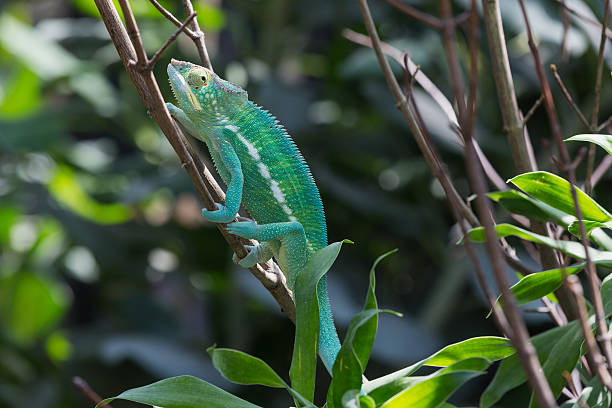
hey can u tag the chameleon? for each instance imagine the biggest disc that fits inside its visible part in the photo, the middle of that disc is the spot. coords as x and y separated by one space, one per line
265 172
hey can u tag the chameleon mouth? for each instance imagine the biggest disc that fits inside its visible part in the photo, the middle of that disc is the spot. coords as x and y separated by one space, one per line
179 85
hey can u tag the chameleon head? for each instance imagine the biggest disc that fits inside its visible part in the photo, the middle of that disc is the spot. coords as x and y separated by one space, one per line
199 89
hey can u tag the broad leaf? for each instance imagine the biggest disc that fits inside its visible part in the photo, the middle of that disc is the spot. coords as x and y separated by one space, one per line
433 390
574 249
606 294
510 373
604 141
556 192
519 203
304 361
182 392
589 227
354 399
563 357
538 285
241 368
355 351
488 347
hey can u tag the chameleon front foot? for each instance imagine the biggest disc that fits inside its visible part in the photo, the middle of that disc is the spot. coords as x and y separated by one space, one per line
245 229
220 215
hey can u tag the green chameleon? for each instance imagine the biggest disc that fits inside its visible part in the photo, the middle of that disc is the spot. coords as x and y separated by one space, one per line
264 171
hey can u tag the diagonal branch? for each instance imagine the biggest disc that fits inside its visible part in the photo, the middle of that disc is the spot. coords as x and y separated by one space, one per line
207 188
159 52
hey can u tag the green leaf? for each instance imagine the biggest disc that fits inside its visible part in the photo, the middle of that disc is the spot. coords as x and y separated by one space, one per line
563 357
182 392
64 187
538 285
606 294
241 368
517 202
347 372
304 361
589 227
556 192
354 399
433 390
22 95
355 351
594 395
510 373
488 347
571 248
604 141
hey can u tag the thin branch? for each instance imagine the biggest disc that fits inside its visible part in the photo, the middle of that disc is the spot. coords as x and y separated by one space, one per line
604 125
532 110
84 388
169 41
520 338
412 12
601 170
584 17
207 188
449 42
199 39
566 26
173 19
556 130
597 96
569 98
594 357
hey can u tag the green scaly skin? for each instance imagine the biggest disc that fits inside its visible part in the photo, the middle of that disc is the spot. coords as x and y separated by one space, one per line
264 171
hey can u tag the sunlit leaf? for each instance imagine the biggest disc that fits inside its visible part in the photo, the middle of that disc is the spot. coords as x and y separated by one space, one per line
604 141
571 248
354 399
210 17
556 192
606 294
183 392
241 368
433 390
66 190
519 203
303 363
21 96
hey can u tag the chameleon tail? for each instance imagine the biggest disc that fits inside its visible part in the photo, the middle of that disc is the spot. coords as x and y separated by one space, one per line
329 344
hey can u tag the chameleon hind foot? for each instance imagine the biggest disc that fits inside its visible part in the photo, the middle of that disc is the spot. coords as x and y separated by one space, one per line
257 254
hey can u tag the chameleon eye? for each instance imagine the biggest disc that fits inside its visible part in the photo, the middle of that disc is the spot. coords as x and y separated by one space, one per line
203 78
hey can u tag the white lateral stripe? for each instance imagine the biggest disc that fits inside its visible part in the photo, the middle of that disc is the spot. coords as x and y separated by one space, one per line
263 170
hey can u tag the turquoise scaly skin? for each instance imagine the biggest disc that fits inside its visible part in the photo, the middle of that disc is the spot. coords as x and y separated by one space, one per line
264 171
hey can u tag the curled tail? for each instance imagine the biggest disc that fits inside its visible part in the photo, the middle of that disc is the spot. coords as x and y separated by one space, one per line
329 344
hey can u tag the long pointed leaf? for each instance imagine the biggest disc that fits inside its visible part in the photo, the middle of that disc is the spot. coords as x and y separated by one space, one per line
604 141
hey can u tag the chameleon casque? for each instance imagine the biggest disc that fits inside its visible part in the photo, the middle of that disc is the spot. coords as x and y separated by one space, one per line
265 172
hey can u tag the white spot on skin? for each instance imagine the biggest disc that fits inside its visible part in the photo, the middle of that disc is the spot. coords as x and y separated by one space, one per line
277 192
264 171
253 152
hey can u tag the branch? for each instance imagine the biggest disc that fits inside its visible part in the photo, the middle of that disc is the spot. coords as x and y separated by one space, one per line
159 52
584 17
199 40
569 98
81 385
132 54
410 11
565 161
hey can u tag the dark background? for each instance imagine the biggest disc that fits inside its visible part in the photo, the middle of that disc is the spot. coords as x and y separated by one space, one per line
107 270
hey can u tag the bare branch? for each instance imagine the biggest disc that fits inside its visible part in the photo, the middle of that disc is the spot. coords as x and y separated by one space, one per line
199 39
410 11
173 19
207 188
532 110
84 388
584 17
565 161
569 98
159 52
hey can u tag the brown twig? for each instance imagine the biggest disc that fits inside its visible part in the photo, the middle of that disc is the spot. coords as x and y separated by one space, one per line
412 12
532 110
566 26
169 41
84 388
520 338
605 124
594 357
132 54
585 18
601 170
569 98
597 96
173 19
199 40
564 156
452 58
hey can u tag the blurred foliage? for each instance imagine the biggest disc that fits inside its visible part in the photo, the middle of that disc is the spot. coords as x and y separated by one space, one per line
107 270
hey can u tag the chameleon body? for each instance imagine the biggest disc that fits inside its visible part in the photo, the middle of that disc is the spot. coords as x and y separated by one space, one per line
265 172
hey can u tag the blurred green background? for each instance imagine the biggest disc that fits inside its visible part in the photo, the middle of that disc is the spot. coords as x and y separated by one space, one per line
107 270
